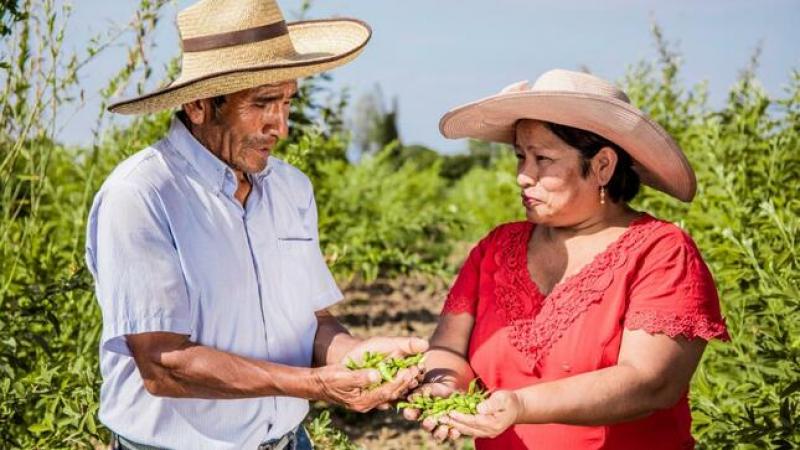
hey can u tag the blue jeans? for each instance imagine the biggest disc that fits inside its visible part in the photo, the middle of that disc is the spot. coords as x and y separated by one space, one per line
301 441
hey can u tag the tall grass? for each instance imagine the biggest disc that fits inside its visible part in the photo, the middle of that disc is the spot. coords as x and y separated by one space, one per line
49 323
746 220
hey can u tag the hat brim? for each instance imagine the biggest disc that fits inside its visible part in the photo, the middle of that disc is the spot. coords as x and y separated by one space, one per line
321 45
658 159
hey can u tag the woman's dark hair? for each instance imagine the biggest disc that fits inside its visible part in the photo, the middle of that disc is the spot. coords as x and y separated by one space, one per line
624 183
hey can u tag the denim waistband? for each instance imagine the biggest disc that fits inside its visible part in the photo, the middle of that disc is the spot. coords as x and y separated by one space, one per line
286 442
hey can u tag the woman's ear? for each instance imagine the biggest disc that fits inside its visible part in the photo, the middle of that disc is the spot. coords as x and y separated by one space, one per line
603 165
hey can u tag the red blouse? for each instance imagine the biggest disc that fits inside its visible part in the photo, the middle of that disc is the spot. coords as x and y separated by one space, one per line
651 278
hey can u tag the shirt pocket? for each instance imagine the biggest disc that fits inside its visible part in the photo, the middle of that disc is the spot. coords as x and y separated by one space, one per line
296 245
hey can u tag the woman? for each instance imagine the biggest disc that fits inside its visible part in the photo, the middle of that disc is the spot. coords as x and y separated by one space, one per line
587 321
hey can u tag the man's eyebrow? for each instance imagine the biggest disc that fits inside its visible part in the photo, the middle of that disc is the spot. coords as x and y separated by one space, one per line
271 96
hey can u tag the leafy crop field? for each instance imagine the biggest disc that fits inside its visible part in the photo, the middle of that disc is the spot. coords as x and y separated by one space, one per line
394 225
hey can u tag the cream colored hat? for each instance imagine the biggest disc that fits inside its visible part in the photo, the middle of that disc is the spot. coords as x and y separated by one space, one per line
232 45
582 101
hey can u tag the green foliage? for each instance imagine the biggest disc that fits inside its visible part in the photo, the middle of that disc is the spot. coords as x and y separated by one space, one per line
399 210
325 436
49 323
463 402
376 219
487 196
10 13
745 220
388 367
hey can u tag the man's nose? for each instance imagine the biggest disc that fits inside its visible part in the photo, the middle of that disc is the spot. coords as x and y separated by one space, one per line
277 120
283 121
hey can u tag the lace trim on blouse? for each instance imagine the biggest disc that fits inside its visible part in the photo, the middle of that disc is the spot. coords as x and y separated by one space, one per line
539 321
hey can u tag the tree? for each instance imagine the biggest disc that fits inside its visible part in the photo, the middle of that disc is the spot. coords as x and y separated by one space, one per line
10 14
375 125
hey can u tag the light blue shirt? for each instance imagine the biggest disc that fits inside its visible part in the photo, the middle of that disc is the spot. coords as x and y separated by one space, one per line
171 249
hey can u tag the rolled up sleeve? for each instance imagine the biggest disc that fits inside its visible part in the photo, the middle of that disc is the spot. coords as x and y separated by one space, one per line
140 285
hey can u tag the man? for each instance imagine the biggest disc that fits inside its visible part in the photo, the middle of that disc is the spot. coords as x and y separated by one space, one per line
205 251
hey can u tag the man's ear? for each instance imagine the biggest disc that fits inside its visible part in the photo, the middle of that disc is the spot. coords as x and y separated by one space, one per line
199 111
603 165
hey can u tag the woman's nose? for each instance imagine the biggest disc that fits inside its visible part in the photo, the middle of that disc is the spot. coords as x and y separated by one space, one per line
527 174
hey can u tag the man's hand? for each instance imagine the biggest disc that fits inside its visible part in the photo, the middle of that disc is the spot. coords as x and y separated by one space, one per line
393 347
358 390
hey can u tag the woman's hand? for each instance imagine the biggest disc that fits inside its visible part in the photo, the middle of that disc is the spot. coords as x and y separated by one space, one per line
442 389
495 414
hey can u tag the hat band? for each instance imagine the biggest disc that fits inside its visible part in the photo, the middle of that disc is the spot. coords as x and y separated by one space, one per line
238 37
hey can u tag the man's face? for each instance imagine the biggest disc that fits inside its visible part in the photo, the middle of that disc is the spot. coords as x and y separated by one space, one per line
246 126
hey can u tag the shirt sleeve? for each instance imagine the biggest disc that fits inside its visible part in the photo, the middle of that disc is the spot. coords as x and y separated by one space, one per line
673 292
326 292
139 281
463 295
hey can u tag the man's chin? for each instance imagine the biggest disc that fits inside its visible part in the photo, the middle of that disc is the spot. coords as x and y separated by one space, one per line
257 165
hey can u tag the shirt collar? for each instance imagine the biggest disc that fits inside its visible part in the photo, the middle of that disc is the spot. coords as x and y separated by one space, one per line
211 169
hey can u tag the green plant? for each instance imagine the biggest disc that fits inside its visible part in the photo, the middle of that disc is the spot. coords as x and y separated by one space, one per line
325 436
49 327
487 196
388 367
383 216
745 220
376 219
463 402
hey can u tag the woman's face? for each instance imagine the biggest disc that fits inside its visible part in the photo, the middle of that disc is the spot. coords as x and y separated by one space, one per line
550 174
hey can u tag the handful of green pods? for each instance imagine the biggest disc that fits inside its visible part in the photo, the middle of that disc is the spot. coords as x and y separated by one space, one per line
463 402
388 367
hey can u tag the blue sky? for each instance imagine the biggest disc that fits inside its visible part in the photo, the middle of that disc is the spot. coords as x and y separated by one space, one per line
436 54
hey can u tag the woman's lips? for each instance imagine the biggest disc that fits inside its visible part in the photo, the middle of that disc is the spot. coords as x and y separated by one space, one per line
530 201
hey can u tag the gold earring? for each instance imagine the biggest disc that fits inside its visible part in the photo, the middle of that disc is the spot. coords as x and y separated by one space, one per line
602 195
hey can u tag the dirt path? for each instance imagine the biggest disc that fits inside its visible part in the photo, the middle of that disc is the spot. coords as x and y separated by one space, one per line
400 307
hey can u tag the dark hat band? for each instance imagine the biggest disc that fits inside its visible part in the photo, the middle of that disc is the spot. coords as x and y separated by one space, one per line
238 37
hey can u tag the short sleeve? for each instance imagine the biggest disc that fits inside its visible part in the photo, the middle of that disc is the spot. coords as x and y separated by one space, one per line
673 292
463 295
139 282
326 292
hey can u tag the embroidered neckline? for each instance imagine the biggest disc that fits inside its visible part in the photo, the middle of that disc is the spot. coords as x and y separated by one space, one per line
538 321
587 267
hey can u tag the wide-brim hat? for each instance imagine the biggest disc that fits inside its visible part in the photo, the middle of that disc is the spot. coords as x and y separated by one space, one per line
579 100
232 45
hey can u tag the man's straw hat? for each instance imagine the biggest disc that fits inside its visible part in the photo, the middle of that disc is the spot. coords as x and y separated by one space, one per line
232 45
582 101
